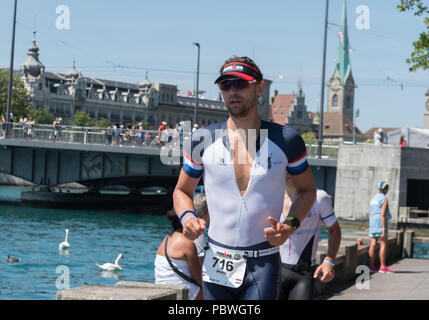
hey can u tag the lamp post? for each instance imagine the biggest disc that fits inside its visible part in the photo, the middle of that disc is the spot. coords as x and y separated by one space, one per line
198 80
12 51
356 115
322 95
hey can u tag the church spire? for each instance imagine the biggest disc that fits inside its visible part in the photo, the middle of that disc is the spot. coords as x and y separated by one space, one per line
343 58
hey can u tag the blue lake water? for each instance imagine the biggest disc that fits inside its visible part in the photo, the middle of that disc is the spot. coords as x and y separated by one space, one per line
33 235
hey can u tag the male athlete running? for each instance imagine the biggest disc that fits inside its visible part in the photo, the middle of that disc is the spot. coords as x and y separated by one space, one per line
298 253
243 161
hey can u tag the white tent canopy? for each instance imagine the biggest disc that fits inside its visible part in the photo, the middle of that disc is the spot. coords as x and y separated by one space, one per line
415 137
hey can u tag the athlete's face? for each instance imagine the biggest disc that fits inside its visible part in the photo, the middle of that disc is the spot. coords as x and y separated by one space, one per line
240 102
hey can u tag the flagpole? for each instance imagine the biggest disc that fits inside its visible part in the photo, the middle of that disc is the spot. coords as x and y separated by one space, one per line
322 95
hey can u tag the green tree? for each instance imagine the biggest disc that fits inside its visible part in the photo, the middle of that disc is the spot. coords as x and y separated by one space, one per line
40 116
420 56
82 119
309 136
20 98
102 123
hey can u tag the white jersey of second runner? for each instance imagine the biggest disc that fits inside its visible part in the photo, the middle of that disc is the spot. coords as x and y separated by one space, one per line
301 247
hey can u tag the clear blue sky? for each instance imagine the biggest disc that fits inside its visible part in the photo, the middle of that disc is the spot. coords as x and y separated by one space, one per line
121 40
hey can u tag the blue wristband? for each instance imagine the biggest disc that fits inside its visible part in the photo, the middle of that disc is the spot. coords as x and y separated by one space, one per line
180 219
329 262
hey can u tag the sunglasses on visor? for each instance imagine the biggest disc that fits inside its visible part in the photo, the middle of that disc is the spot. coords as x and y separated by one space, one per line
238 84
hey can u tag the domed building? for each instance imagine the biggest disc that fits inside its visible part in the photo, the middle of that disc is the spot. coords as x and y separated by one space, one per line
32 67
120 102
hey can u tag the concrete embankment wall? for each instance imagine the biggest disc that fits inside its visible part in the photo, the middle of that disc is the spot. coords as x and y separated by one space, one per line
361 167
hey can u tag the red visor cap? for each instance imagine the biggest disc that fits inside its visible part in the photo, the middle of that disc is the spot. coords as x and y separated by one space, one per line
237 70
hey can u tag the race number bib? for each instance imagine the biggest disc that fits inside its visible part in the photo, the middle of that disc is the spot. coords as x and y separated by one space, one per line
224 267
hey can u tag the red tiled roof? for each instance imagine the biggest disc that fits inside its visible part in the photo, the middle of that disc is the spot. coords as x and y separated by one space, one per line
338 124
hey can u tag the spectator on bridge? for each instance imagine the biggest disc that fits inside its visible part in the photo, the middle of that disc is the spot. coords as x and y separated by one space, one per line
109 135
55 130
402 142
30 128
22 123
115 135
378 137
140 134
162 127
3 126
378 227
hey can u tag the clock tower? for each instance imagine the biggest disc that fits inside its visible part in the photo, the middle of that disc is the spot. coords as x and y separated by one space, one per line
341 87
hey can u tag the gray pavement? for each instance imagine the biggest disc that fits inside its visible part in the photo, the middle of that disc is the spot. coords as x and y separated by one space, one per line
409 282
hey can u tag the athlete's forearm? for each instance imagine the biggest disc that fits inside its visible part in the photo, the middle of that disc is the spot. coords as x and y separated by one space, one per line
183 195
302 204
182 202
334 241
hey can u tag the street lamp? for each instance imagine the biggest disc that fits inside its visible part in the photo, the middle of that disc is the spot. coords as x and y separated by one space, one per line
356 115
9 90
198 79
322 95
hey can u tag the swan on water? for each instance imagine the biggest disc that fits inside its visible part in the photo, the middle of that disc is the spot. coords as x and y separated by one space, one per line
110 266
65 244
12 260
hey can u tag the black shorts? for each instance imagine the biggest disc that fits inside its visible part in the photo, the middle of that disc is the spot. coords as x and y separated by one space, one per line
296 282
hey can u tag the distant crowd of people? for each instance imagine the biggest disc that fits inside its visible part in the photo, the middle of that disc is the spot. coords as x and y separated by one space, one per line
116 134
27 126
380 139
138 135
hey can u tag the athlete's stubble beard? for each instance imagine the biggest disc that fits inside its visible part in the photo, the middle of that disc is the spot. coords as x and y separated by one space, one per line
240 106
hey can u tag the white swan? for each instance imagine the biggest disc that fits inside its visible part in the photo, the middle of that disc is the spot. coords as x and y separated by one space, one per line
110 266
65 244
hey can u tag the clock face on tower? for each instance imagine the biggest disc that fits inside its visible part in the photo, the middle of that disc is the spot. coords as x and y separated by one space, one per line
336 84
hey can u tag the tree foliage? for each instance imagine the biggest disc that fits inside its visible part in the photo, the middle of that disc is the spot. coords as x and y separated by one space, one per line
102 123
420 56
20 98
82 119
309 136
40 116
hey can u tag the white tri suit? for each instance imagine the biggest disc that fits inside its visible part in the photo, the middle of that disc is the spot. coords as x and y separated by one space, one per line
298 253
240 263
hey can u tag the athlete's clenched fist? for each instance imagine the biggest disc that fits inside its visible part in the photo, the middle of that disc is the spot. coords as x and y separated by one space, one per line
194 227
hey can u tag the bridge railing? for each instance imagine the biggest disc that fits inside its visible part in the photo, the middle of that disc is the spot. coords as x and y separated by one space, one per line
329 149
123 137
82 135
